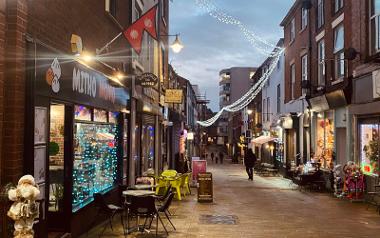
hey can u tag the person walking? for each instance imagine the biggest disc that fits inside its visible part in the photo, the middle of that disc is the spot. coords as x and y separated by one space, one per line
212 156
221 155
249 162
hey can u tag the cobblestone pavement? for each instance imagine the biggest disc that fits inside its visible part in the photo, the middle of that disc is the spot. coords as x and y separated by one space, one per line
265 207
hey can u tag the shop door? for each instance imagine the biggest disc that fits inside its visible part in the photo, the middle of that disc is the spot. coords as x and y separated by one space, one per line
341 145
290 146
59 179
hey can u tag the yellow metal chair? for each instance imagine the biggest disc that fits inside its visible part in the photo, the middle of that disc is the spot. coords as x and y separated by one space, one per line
161 185
186 185
169 173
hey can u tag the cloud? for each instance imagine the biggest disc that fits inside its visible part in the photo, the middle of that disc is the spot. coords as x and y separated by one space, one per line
211 46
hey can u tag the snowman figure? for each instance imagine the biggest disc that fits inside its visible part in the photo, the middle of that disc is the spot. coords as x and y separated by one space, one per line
24 209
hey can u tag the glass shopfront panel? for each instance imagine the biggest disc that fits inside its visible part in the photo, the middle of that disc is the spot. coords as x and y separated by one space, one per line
95 161
325 138
369 147
147 145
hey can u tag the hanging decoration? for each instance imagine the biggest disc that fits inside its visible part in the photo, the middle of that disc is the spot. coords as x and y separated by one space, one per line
147 22
261 45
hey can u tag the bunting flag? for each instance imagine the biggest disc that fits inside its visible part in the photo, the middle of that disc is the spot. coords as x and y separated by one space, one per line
147 22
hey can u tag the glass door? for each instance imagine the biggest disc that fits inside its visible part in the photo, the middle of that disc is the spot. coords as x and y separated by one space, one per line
59 153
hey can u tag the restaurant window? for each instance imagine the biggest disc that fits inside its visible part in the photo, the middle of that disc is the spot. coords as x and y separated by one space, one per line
375 26
339 52
321 13
338 5
82 113
147 144
325 138
304 16
292 30
293 80
369 146
321 63
95 158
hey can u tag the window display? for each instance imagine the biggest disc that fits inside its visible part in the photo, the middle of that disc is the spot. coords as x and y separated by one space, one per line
325 138
369 148
95 162
82 113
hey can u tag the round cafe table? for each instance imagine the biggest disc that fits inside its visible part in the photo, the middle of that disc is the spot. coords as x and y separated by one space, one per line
138 193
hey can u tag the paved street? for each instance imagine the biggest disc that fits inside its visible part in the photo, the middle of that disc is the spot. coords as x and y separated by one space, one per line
266 207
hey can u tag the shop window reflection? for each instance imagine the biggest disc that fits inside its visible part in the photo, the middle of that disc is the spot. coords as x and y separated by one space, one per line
369 148
147 139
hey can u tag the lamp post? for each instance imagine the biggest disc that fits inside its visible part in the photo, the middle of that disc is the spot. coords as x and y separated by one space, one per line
177 45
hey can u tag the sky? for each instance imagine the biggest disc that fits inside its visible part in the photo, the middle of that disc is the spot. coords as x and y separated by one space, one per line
211 46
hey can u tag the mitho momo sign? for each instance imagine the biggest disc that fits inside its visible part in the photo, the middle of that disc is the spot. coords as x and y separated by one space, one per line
147 80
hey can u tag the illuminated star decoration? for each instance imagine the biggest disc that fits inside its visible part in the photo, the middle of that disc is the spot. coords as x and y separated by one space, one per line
147 22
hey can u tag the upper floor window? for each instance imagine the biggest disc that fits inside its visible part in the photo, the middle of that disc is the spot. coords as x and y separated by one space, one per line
339 51
304 16
338 5
304 69
321 13
268 109
375 26
292 30
321 63
264 109
278 98
293 80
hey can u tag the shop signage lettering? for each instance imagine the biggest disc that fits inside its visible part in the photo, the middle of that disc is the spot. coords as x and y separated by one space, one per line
147 80
84 83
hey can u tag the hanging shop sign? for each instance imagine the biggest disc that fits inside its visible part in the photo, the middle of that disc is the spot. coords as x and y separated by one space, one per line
173 96
72 81
147 80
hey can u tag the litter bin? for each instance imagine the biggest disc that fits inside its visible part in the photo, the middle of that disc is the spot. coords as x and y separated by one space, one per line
205 187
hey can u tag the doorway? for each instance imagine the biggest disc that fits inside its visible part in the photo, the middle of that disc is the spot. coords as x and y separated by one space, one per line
59 155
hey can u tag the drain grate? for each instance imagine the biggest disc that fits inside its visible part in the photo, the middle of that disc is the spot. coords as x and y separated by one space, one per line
218 219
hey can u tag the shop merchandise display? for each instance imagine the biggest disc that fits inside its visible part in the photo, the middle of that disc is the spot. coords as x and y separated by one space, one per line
338 180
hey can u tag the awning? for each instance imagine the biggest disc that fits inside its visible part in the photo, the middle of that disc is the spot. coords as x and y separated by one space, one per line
262 140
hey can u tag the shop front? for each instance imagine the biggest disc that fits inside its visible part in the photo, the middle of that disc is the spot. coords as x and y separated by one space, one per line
80 139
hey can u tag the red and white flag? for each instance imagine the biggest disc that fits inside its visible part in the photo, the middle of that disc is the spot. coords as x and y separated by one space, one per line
147 22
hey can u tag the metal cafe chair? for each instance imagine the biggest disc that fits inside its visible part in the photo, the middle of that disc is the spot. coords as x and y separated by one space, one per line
143 207
165 207
110 210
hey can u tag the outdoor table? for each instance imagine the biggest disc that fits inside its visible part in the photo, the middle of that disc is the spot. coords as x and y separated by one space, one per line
143 187
137 193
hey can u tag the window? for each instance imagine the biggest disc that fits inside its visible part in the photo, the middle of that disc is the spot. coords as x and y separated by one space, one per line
292 30
339 51
278 98
293 80
111 7
338 5
375 26
268 109
321 63
369 141
321 13
138 11
304 70
264 109
304 16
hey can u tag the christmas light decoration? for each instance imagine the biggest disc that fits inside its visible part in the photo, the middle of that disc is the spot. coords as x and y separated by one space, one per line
249 96
261 45
95 164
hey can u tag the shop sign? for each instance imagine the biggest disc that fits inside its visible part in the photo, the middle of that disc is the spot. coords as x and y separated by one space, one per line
74 82
173 96
147 80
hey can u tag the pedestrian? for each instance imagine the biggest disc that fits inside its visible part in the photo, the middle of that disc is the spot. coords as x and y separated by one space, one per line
221 155
212 156
249 162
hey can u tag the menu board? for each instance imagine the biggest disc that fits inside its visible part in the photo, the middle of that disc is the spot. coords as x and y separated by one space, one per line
199 166
205 189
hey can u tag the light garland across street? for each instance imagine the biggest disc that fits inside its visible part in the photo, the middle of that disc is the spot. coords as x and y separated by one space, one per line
247 98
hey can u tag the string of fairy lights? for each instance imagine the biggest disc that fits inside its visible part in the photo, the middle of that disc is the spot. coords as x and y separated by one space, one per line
261 45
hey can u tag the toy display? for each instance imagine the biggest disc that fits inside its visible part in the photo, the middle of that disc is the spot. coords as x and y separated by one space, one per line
354 184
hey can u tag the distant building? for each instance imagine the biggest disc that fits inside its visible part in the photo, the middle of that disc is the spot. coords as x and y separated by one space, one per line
234 83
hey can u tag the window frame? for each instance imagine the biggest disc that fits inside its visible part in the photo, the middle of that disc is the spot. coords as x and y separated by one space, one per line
321 62
320 13
292 30
278 98
268 109
338 5
339 61
292 81
374 41
304 18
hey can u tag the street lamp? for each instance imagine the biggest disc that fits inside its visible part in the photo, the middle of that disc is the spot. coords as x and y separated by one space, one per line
177 45
249 112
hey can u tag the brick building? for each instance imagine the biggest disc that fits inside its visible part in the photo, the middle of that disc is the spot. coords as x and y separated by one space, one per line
43 83
318 69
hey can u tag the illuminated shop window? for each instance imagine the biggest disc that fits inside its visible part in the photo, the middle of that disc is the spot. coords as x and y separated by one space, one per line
82 113
100 115
369 148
